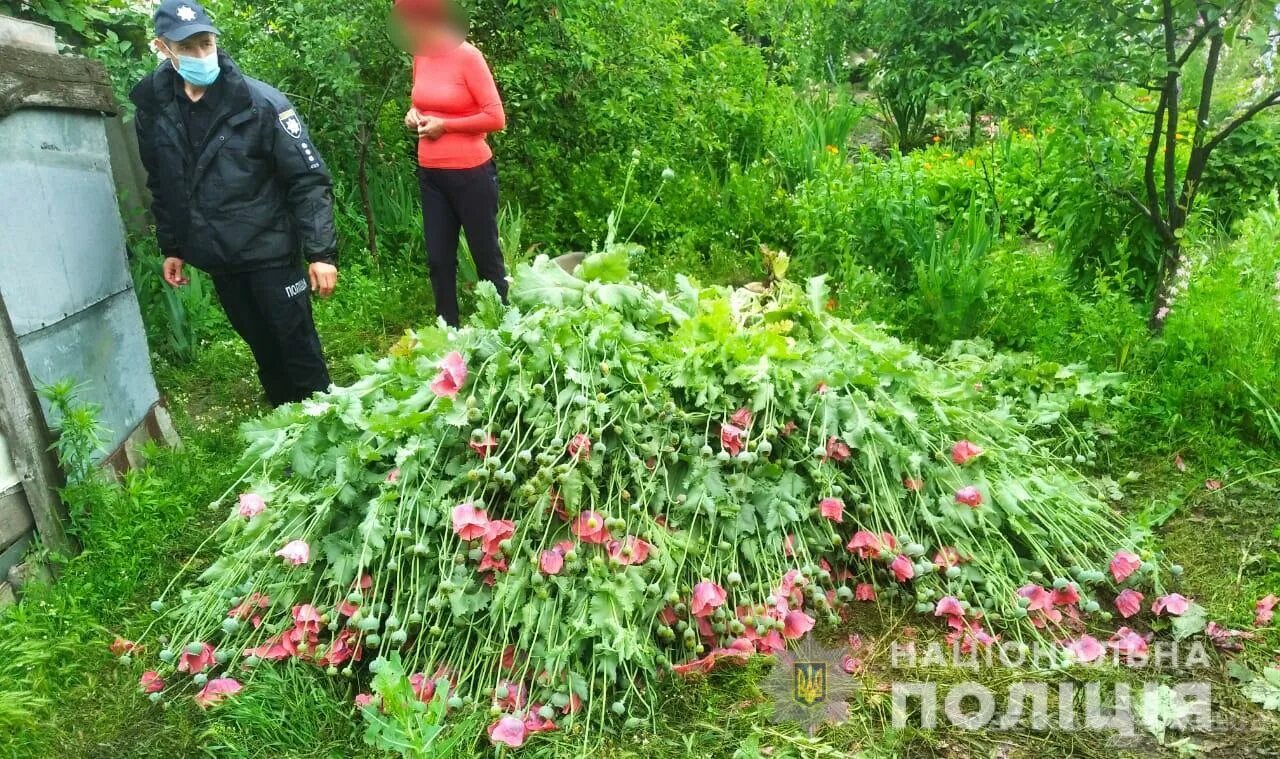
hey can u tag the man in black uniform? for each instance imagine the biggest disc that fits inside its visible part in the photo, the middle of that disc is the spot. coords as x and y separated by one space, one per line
241 192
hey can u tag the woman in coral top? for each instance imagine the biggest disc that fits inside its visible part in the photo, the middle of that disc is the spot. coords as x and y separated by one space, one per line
455 106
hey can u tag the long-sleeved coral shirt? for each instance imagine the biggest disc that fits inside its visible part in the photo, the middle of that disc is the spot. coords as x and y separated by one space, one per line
456 85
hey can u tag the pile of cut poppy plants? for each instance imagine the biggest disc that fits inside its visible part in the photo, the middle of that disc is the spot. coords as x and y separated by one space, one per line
543 513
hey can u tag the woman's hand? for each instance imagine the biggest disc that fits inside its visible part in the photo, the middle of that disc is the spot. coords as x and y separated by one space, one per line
430 127
412 120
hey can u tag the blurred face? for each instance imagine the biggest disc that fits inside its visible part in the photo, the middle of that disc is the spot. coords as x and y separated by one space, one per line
424 24
202 45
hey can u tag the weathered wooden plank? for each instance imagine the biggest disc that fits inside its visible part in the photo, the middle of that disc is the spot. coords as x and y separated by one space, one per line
13 554
15 517
22 423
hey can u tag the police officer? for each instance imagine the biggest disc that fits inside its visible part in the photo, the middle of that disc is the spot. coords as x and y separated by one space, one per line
241 192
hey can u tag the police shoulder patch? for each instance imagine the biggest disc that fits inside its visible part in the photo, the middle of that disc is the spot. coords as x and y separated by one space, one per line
291 124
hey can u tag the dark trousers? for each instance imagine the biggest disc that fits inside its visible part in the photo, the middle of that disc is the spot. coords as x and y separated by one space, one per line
453 200
271 310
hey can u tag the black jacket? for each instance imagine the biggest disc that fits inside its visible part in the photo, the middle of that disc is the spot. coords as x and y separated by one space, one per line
254 196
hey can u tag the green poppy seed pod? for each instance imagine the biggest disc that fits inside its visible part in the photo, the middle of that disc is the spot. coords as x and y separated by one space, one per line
1060 582
456 702
252 661
1176 570
501 692
819 452
125 659
222 657
764 448
200 679
722 456
376 665
348 672
332 671
1092 607
230 625
155 697
157 606
415 618
195 648
953 572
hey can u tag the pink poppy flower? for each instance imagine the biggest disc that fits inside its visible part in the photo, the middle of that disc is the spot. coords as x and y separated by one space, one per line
707 597
789 545
469 522
851 664
822 388
306 618
837 450
492 562
272 649
970 496
865 591
1174 603
453 373
788 429
866 544
1224 639
1128 642
741 418
247 609
629 550
1264 610
1129 602
731 438
216 690
832 508
946 558
589 527
509 731
1041 599
341 650
295 552
1085 649
484 446
495 532
796 624
902 568
948 606
393 476
120 646
1068 596
251 505
363 700
913 484
196 663
551 562
579 447
151 682
424 688
1178 463
964 451
534 723
1213 485
1123 564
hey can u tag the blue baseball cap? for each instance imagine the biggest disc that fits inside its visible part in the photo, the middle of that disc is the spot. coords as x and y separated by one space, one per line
179 19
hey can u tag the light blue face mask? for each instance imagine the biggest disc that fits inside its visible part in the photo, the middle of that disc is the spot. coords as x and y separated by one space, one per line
200 72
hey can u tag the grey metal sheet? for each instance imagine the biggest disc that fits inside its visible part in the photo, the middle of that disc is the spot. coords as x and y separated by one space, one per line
61 239
104 348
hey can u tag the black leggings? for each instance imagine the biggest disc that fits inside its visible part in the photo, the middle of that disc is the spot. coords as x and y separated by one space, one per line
453 200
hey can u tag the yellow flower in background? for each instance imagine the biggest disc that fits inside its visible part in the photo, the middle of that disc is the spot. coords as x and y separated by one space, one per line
832 149
927 166
968 162
937 139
